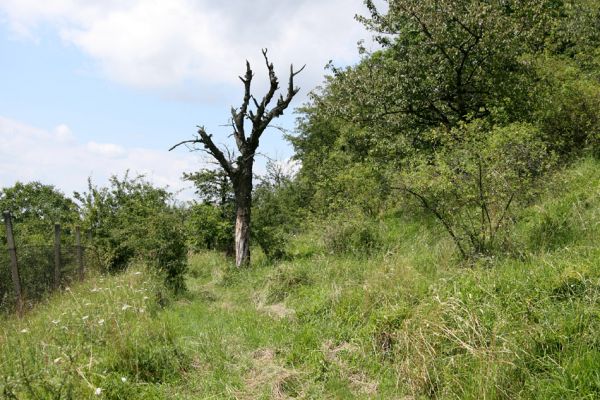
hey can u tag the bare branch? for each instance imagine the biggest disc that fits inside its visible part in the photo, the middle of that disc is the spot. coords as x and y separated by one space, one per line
195 141
208 143
282 104
239 116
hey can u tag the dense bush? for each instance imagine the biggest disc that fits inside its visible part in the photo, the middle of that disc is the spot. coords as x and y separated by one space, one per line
133 220
277 211
476 177
207 228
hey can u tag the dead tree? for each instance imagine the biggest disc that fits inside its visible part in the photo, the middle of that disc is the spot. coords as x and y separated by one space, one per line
239 168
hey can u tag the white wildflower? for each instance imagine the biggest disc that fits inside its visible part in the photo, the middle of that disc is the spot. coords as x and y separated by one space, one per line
98 391
123 379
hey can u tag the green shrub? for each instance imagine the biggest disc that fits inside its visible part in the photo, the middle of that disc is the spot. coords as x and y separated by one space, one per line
476 179
352 237
132 220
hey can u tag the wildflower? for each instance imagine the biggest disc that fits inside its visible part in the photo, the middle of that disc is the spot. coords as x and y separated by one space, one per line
123 379
98 391
24 330
141 310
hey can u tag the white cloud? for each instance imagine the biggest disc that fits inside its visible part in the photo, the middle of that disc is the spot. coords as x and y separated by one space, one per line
108 150
28 153
161 44
63 133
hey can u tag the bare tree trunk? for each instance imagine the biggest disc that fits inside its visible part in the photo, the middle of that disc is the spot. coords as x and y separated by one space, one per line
242 236
243 201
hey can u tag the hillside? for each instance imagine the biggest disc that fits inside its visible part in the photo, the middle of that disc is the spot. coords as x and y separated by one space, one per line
394 314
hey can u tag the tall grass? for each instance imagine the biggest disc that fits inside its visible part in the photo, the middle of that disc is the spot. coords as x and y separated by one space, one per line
101 338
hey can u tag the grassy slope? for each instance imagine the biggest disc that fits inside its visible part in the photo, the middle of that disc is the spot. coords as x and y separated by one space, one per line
405 322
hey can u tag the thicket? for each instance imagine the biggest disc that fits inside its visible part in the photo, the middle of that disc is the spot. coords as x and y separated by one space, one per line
131 220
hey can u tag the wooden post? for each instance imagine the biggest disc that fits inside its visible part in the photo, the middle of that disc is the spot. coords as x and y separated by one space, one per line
79 252
56 256
12 250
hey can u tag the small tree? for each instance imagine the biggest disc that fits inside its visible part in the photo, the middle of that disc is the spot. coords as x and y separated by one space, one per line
239 169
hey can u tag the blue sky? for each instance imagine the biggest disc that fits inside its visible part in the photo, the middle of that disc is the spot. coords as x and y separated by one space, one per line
93 88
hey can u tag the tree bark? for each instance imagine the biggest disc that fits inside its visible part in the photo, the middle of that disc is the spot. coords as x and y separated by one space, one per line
243 201
242 235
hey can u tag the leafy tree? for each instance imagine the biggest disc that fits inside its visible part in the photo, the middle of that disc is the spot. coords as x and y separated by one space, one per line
239 170
277 209
35 208
210 224
448 61
213 187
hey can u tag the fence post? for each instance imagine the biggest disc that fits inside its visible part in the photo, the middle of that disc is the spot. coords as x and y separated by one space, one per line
56 256
79 251
12 250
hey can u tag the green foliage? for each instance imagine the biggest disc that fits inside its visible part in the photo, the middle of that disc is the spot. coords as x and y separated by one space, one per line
403 322
472 182
355 236
207 229
132 220
277 210
35 208
568 110
210 223
212 186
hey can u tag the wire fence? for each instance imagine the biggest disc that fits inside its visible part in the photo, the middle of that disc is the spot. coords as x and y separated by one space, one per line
28 272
